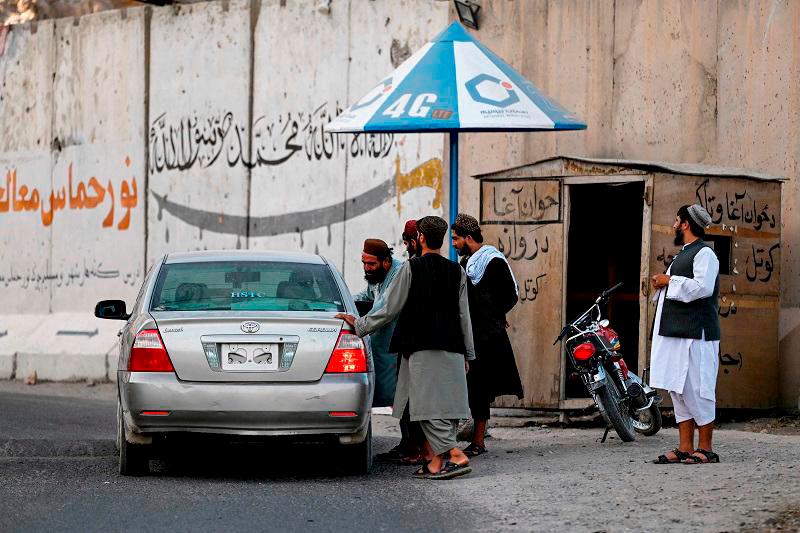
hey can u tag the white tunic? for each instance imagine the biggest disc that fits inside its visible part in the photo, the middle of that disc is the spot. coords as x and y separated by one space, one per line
669 357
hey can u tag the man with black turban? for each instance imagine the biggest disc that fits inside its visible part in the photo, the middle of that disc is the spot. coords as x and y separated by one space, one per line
434 336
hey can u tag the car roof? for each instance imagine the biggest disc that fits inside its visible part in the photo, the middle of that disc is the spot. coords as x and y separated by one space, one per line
244 255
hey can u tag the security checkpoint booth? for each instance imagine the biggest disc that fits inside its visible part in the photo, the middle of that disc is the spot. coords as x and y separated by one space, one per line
571 227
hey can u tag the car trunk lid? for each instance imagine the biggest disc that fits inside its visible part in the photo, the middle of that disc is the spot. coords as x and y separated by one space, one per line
248 347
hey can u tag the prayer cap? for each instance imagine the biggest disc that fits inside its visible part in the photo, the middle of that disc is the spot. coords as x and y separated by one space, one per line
466 224
699 214
410 230
432 227
377 247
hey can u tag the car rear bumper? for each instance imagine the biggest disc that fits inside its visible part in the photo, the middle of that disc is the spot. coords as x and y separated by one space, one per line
248 408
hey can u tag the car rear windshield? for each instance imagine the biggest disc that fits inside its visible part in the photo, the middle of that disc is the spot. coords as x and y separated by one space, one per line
246 286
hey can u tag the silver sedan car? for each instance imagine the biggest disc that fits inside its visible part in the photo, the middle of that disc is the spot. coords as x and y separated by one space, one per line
241 343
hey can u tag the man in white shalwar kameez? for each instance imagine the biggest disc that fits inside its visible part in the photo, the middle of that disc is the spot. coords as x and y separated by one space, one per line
686 332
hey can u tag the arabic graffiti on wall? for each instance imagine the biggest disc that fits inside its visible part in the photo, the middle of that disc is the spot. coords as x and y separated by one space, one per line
76 274
529 289
513 243
520 202
521 246
17 197
737 207
187 142
731 360
761 263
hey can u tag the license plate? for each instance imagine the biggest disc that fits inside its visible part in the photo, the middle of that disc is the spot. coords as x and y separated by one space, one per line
249 357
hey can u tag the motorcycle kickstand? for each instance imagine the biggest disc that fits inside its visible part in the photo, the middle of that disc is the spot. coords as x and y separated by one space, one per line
605 434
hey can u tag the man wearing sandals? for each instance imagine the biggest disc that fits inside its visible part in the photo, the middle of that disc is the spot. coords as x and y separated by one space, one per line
684 357
434 335
412 449
492 293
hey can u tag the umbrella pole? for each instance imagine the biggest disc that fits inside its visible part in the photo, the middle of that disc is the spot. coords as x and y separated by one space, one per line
453 187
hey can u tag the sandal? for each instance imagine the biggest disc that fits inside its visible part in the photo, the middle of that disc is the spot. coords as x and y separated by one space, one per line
451 470
701 456
664 460
473 450
413 460
422 472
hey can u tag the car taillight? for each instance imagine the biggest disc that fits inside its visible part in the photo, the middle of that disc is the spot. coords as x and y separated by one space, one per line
148 353
350 355
584 351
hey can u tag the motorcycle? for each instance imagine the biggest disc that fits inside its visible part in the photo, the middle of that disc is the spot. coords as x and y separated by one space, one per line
626 402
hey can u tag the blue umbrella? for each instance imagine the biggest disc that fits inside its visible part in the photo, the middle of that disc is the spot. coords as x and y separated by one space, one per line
454 83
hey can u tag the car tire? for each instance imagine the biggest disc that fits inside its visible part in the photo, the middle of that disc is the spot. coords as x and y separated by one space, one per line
133 458
358 457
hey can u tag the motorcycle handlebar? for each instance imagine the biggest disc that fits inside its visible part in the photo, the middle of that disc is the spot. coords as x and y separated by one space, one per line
603 296
606 293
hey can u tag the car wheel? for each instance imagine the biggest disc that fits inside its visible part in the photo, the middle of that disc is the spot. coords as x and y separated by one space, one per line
358 457
133 458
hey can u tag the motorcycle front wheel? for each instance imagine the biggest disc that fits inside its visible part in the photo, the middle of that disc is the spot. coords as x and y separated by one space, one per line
647 422
615 413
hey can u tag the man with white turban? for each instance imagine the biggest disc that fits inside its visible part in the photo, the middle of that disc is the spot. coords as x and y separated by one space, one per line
684 358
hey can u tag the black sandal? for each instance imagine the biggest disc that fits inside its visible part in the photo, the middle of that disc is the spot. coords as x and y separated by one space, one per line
664 460
474 450
451 470
422 472
705 457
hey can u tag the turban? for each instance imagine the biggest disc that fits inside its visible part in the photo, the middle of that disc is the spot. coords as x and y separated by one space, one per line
410 231
378 248
466 224
434 228
699 214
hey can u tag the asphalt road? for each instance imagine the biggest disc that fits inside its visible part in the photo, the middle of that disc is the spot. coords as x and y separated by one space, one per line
533 479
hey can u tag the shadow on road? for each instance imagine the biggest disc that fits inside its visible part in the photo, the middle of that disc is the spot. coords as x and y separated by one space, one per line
214 457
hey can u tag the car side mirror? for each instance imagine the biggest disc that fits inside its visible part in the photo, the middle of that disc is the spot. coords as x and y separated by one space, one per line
111 310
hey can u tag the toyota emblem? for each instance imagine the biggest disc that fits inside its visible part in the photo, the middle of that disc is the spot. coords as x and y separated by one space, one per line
250 326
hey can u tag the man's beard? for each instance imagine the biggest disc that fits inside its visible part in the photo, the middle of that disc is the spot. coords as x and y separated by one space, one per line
376 276
464 251
679 238
412 250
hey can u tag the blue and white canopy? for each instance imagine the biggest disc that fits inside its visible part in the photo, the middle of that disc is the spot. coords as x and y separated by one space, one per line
454 83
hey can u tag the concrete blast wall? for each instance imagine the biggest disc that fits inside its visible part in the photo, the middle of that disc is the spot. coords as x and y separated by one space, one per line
133 133
710 81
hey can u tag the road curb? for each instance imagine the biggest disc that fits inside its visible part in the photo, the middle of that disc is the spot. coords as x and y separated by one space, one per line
56 448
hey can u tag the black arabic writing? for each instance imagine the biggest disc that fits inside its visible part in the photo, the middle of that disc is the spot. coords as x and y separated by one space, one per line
524 201
756 260
737 207
201 141
75 275
530 289
516 247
